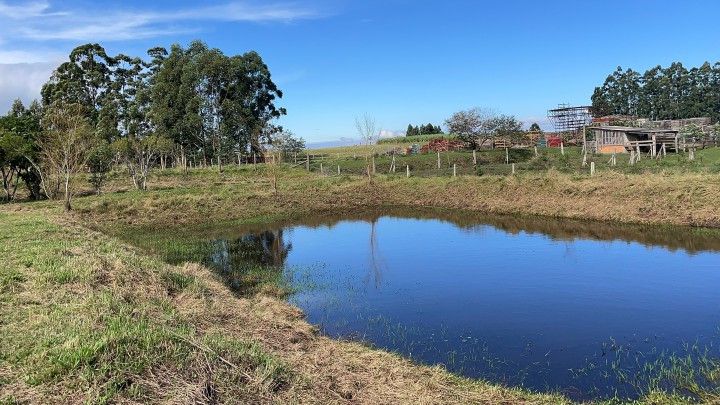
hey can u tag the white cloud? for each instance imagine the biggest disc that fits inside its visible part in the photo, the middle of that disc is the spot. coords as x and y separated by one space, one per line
22 56
35 21
386 133
23 81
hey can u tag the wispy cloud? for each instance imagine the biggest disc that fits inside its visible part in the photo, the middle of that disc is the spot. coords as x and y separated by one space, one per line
31 9
41 21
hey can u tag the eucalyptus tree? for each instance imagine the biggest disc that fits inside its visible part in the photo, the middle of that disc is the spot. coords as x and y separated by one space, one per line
212 104
249 110
83 80
673 92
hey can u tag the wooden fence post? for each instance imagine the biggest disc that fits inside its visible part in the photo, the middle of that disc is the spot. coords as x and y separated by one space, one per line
407 170
512 168
592 169
307 162
338 170
438 159
507 156
562 147
654 146
454 170
474 157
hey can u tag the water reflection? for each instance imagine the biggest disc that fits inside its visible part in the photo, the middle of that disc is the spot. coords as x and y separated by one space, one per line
691 240
248 261
580 307
266 248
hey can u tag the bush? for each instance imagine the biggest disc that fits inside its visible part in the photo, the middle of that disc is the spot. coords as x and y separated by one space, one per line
99 164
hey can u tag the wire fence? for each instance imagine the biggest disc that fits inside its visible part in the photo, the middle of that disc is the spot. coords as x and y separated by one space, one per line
501 162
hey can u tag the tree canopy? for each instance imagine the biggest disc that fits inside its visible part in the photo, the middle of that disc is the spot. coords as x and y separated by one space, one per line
661 93
428 129
209 104
477 125
190 103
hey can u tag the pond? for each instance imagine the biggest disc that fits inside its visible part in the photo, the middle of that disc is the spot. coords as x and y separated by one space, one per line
586 309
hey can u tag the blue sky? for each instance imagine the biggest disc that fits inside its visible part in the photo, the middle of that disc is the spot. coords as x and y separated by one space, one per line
399 61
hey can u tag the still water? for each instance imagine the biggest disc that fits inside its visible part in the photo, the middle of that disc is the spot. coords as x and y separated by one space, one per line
580 308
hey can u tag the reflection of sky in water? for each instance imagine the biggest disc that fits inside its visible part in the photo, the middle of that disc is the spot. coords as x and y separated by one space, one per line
505 302
519 308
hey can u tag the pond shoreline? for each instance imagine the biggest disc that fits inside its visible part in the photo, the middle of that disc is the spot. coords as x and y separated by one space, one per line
344 371
676 199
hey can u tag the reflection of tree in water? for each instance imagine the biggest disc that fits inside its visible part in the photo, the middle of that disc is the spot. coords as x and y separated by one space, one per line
250 259
375 260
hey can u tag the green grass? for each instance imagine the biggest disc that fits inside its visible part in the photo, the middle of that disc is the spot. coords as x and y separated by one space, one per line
127 327
89 316
81 312
352 160
415 138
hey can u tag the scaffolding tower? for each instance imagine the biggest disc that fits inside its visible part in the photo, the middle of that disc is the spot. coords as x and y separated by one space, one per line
569 120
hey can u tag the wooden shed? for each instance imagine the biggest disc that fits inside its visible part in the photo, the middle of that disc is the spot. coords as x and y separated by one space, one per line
616 139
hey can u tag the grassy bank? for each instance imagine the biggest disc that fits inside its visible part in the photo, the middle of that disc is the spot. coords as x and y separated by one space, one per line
85 317
352 160
239 193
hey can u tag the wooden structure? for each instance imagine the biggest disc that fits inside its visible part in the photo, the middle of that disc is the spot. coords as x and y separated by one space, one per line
616 139
442 145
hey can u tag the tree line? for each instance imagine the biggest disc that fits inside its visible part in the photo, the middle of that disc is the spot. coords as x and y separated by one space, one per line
673 92
182 106
428 129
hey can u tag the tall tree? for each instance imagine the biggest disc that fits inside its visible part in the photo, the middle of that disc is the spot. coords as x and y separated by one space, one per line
212 104
660 93
83 80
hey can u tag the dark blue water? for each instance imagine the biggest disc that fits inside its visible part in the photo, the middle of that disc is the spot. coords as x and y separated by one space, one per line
559 306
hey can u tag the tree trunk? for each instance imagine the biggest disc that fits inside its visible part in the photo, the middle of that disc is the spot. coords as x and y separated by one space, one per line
68 207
